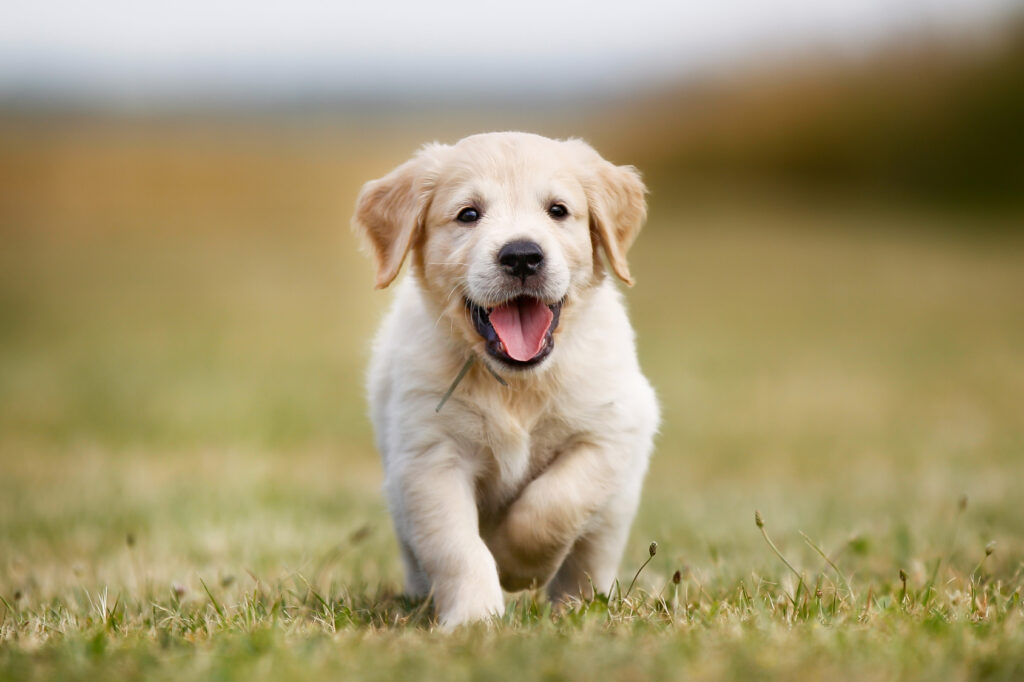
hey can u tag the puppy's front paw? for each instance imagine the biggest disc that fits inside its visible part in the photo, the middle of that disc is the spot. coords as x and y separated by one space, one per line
470 604
526 552
472 595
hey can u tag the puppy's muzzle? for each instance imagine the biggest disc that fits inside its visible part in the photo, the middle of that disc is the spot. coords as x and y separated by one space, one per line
521 259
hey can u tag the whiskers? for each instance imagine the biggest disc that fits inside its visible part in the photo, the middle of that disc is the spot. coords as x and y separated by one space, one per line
447 305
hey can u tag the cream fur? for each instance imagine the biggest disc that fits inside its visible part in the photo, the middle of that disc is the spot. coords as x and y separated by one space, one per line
535 483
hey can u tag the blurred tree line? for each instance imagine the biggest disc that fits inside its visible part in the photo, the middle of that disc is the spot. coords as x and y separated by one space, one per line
928 120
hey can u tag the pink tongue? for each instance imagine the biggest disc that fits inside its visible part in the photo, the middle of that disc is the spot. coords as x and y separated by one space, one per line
521 325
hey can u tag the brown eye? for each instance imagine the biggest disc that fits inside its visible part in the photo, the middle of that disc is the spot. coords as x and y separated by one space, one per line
558 211
468 215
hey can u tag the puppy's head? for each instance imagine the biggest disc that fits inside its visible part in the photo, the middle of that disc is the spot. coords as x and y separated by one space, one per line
504 231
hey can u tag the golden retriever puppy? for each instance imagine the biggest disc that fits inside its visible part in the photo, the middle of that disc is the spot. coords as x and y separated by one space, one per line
510 412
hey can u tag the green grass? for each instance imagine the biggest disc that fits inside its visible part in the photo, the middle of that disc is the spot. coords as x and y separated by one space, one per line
188 488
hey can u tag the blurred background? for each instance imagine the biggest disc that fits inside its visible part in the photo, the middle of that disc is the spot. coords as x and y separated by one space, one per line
830 296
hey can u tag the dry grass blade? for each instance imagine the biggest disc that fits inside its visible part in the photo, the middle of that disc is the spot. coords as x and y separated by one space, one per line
213 600
831 563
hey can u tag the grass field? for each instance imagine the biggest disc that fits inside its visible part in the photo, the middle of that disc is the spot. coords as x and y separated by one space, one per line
188 487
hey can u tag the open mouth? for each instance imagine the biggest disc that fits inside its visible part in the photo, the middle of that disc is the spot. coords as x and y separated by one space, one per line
519 332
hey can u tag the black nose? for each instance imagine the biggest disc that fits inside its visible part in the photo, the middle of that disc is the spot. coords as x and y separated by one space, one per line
521 259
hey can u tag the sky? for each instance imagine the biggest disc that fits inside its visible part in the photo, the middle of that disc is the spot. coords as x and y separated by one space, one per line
133 48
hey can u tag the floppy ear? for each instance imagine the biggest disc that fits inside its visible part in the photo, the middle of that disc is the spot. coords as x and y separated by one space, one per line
390 212
618 207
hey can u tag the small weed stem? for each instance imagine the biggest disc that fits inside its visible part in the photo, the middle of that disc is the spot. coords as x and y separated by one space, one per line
759 520
652 550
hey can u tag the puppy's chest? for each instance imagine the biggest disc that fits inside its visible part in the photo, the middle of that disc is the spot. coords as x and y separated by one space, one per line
513 454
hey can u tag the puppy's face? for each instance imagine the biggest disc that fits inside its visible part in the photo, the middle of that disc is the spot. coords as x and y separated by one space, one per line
504 230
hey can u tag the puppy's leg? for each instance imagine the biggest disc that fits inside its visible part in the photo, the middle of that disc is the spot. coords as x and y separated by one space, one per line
543 523
417 584
592 563
435 499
